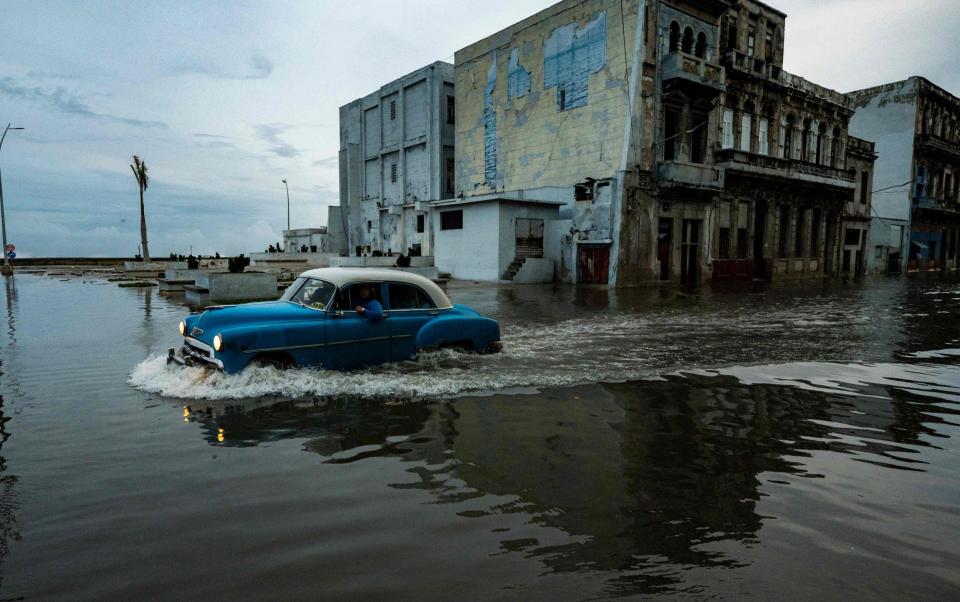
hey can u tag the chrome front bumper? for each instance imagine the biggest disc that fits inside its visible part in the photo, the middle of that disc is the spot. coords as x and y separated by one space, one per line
194 353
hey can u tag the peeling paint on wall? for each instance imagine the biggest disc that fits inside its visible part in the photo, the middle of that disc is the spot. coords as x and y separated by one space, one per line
490 125
518 78
570 55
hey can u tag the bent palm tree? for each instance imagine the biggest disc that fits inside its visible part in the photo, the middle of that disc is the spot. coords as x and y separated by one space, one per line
139 168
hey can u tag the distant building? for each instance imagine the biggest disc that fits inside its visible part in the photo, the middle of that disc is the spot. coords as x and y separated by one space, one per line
917 205
396 157
677 146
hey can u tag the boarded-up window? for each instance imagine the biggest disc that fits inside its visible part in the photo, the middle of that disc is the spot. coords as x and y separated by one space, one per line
529 237
763 143
727 128
451 220
746 131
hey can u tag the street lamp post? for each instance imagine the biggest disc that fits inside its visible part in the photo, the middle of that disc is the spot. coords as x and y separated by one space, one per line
288 202
7 269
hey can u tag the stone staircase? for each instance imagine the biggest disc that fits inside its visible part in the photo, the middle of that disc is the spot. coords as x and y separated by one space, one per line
510 273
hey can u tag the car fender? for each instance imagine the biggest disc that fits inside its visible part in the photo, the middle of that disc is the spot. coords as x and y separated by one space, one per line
458 328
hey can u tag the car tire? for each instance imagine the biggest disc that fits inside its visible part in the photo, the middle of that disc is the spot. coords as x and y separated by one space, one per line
280 361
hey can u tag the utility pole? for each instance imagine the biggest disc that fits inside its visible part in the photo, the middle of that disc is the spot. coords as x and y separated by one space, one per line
7 269
288 202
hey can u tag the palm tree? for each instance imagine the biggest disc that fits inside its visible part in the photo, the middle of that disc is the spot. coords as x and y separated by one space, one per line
139 168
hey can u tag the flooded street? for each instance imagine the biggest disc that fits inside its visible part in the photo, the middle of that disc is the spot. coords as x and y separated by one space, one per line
793 442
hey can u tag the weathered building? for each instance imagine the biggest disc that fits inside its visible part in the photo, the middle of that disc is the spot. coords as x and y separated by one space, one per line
396 156
916 125
679 147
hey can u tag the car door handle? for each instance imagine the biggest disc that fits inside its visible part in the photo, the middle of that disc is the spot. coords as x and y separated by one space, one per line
435 312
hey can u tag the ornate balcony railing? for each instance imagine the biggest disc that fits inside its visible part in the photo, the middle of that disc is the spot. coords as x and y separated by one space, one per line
765 165
680 67
690 175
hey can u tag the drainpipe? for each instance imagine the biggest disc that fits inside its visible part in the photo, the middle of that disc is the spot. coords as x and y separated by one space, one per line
639 54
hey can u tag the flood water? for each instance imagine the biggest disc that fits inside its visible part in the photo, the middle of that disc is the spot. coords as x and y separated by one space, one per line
796 442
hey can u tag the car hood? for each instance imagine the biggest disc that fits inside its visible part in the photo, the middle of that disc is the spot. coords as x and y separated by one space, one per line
220 318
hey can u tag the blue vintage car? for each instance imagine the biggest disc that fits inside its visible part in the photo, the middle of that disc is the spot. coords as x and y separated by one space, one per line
337 318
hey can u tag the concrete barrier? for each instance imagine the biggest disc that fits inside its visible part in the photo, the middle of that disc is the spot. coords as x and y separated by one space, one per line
231 288
379 262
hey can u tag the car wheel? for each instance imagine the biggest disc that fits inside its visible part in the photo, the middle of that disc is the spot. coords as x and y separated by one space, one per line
280 361
459 346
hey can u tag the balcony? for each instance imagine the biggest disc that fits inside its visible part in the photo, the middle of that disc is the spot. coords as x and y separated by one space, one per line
938 145
764 166
758 67
933 204
673 174
687 71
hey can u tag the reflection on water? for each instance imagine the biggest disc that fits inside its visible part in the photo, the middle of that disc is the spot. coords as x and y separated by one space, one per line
776 443
644 479
8 500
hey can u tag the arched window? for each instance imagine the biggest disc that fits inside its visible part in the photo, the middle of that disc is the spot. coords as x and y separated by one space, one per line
805 141
788 136
821 134
835 148
688 40
674 37
701 45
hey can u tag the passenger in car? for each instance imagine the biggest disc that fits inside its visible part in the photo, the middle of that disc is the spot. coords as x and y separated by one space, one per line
367 305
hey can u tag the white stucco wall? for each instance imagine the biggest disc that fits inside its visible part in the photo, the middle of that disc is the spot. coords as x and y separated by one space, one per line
471 253
888 116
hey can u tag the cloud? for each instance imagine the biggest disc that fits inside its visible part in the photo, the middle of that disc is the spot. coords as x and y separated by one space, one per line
270 133
63 101
328 163
260 67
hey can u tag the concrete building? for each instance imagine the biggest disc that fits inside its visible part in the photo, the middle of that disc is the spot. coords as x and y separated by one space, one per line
916 125
679 147
396 156
492 238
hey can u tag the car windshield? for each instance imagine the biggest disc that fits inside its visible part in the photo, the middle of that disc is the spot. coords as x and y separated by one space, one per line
310 292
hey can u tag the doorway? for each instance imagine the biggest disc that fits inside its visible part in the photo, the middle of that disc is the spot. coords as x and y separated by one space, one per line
690 252
593 265
830 248
665 246
759 236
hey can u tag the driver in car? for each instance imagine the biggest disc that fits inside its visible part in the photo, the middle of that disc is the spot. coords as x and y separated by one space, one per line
368 307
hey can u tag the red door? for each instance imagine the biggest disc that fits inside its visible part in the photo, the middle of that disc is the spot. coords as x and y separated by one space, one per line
593 265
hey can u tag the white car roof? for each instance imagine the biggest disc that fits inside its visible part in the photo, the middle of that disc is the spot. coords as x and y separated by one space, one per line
344 276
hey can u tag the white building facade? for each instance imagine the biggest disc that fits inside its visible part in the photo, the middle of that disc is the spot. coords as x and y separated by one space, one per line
396 157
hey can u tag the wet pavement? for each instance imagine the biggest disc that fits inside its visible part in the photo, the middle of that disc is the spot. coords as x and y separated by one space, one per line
794 442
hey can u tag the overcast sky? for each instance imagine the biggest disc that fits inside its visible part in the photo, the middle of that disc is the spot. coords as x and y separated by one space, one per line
224 99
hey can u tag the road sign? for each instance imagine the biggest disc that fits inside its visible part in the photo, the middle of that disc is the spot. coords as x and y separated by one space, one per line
10 248
11 255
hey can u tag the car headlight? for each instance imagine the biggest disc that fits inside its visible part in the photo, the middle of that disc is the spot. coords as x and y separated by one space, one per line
217 342
183 328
